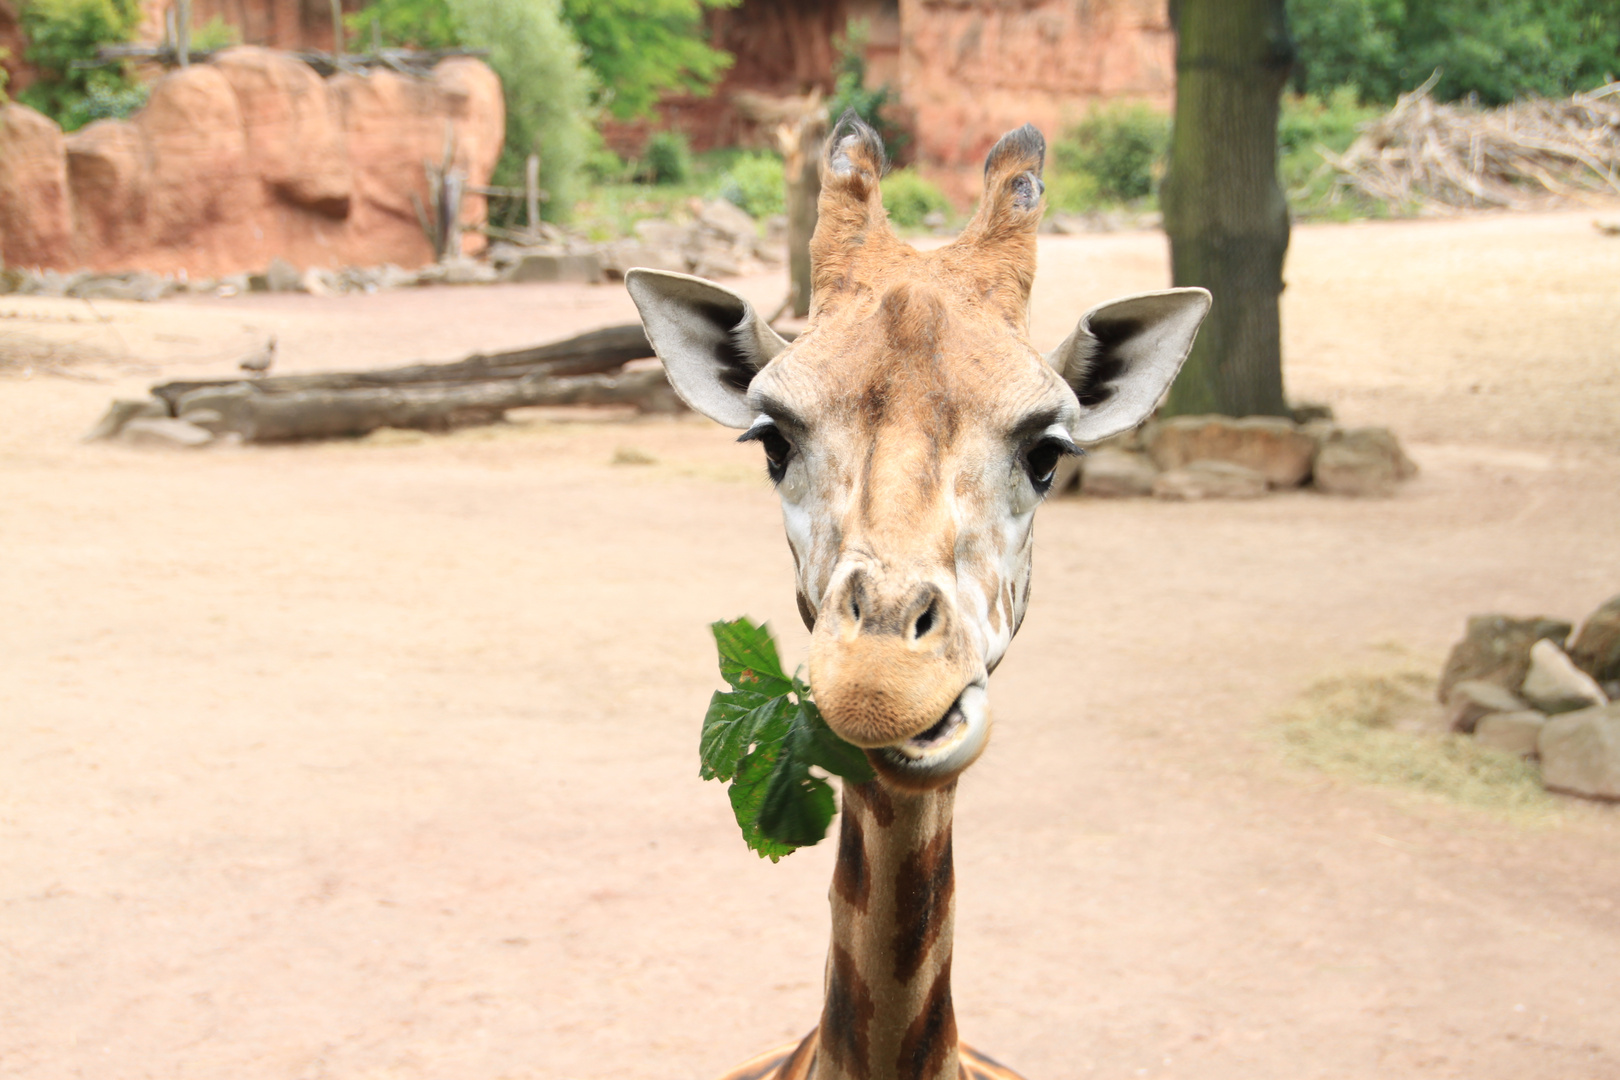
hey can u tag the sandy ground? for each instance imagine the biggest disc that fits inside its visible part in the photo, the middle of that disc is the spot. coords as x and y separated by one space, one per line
377 759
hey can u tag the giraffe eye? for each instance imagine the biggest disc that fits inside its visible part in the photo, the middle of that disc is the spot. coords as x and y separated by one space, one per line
1041 460
778 451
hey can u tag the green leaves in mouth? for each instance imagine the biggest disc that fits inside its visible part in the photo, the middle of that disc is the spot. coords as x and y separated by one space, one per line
765 735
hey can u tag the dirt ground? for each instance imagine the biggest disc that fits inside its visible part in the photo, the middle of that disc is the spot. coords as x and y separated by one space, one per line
377 759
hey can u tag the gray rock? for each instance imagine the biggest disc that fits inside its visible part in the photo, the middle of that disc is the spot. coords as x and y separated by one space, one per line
1209 480
167 434
1596 649
139 286
282 276
1580 752
1361 461
579 268
1112 474
121 412
1555 685
623 255
716 264
235 284
658 233
1496 649
1472 699
1269 445
1305 411
210 420
1511 732
727 219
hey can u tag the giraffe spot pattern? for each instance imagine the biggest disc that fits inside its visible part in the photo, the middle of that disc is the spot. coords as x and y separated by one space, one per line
923 891
847 1015
932 1035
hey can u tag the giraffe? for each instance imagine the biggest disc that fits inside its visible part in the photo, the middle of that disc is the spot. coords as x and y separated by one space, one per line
911 431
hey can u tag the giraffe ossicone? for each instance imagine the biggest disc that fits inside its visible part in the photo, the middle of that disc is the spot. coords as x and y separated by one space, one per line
911 431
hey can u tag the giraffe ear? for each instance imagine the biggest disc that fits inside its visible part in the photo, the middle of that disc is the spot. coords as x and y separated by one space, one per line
711 340
1124 355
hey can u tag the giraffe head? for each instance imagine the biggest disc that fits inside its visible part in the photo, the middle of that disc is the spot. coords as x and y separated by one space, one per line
911 431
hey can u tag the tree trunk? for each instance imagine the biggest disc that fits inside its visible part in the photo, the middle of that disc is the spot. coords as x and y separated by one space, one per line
1224 208
801 144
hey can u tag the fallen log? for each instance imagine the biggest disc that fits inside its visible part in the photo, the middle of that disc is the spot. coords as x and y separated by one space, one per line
327 413
590 353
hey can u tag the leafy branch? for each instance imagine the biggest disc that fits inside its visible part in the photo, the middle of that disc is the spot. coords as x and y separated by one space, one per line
765 735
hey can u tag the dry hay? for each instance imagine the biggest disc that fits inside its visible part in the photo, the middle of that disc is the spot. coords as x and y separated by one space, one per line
1435 158
1375 727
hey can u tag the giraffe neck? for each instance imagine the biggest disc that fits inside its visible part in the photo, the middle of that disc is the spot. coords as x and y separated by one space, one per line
888 1009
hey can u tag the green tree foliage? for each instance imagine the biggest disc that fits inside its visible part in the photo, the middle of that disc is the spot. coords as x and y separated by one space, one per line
908 198
547 91
1498 50
62 31
667 159
755 183
851 93
1116 153
642 50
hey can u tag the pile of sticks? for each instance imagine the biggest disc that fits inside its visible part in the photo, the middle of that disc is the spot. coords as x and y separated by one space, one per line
1434 158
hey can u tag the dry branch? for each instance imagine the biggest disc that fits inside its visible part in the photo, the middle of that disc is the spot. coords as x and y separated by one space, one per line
1436 158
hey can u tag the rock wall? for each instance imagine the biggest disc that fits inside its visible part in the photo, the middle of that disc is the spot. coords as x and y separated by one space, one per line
971 70
250 157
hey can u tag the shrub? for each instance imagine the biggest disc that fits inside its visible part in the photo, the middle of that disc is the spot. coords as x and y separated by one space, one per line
215 34
667 159
547 93
62 31
754 182
1120 149
1305 124
909 198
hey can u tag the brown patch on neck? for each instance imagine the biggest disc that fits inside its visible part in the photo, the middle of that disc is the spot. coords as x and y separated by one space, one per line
875 799
922 895
932 1036
851 876
847 1016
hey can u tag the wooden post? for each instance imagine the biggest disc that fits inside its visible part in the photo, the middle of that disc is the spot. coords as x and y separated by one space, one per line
531 191
337 28
801 142
182 34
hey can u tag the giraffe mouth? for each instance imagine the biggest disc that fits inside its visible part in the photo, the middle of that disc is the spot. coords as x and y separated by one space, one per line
950 745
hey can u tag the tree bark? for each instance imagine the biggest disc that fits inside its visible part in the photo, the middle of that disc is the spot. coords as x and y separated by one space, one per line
801 149
1224 208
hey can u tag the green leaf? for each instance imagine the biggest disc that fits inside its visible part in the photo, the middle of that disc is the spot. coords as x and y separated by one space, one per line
737 719
765 735
748 794
748 658
828 751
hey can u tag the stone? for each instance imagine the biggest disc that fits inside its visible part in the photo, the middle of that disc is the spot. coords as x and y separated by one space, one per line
1496 649
1269 445
1596 649
282 276
716 264
1113 474
210 420
1511 732
1580 752
1554 684
543 267
1209 480
121 412
109 173
623 255
1361 461
726 219
1471 699
36 217
142 287
167 434
658 233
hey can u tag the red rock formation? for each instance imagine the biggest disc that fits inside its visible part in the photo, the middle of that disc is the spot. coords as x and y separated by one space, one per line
238 161
973 69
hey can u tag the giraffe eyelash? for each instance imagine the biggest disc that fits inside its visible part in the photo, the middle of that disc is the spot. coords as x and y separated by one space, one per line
778 450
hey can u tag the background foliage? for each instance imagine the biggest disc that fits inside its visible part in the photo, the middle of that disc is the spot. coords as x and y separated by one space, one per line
850 91
62 31
1498 50
641 50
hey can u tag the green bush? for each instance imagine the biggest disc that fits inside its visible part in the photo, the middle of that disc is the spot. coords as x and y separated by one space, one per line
754 182
641 50
1118 150
909 199
62 31
667 159
1306 125
547 94
215 34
